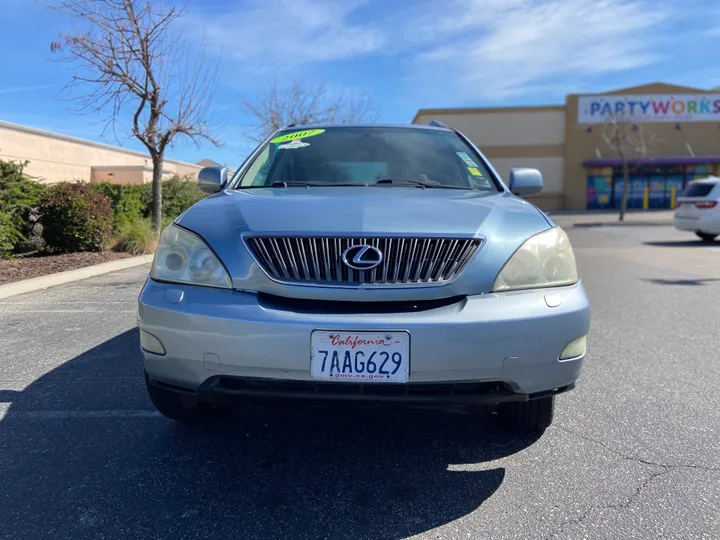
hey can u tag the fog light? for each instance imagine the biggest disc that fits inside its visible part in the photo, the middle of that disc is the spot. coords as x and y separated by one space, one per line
574 349
150 343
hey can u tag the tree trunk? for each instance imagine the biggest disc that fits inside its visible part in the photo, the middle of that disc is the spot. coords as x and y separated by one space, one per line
156 215
626 188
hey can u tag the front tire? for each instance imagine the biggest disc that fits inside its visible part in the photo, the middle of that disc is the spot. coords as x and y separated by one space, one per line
533 415
705 237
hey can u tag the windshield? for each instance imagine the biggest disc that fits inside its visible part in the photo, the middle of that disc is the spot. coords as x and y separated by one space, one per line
342 156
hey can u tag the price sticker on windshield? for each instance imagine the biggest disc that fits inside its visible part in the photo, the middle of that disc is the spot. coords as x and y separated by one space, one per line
467 159
298 135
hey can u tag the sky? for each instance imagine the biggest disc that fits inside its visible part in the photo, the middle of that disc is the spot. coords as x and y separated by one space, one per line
402 55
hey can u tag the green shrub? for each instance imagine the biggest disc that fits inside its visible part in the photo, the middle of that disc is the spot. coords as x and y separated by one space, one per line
178 193
132 201
10 235
126 201
19 198
75 217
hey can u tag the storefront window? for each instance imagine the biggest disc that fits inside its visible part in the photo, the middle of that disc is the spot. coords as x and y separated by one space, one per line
606 191
658 194
599 192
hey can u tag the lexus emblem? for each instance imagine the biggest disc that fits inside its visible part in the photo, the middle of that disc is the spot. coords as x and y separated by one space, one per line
362 257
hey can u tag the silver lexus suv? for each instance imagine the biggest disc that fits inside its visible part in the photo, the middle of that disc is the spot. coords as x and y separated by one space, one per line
368 264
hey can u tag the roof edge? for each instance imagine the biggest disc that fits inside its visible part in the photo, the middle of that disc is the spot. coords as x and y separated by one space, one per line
657 87
465 110
70 138
679 160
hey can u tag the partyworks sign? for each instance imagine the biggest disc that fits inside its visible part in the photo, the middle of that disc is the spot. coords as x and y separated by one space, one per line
654 108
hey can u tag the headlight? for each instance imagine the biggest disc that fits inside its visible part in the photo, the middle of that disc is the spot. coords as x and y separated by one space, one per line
183 257
545 260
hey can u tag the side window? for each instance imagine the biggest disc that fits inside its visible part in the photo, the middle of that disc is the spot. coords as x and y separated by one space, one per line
255 175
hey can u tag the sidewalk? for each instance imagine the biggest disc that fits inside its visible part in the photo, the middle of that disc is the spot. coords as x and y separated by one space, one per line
605 218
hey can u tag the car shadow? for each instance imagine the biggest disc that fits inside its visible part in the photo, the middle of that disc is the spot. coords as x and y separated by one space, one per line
681 243
681 282
84 455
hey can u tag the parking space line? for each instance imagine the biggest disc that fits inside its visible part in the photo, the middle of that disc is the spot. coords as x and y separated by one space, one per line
66 311
28 303
71 415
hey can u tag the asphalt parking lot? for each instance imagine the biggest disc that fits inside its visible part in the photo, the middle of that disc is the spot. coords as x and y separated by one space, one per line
634 451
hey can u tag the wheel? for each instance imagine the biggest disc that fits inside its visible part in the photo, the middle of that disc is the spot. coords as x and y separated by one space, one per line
705 237
533 415
173 405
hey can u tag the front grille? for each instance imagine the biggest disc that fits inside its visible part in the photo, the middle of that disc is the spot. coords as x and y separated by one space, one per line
335 307
406 260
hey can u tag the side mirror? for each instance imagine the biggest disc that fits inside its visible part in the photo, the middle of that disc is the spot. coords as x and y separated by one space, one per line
212 179
525 182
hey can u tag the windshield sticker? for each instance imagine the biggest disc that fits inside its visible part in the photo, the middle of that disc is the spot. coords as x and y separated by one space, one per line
474 171
298 135
481 182
297 143
468 161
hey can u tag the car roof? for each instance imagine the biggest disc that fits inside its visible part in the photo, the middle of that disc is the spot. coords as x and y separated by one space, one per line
708 180
301 127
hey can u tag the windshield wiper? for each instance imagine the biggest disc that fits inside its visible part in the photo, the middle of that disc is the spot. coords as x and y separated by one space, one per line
290 184
419 184
311 184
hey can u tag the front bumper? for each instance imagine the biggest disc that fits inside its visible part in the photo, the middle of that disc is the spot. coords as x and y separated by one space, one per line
224 390
229 343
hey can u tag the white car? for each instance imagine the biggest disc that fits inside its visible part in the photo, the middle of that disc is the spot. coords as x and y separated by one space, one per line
698 210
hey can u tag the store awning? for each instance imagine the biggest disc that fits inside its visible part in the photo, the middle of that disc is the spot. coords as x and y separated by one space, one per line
686 160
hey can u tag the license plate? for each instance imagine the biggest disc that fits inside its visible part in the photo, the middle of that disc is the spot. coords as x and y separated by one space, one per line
378 357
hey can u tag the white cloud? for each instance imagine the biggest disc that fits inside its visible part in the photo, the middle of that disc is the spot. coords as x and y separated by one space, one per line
18 89
503 48
270 36
464 49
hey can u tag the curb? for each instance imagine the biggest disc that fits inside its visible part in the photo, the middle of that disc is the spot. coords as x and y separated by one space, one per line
43 282
625 224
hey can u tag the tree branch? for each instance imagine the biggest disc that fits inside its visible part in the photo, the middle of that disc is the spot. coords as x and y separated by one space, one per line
296 104
124 60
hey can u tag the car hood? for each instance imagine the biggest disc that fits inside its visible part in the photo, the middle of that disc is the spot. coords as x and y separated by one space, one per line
503 220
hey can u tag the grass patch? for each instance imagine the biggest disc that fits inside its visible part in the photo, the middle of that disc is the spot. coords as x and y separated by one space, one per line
136 237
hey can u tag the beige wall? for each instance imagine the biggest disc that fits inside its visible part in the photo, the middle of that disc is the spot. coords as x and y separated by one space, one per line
517 126
552 169
124 175
56 158
515 137
129 176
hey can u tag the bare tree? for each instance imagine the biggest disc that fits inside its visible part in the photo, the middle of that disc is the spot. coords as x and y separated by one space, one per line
131 65
628 141
297 104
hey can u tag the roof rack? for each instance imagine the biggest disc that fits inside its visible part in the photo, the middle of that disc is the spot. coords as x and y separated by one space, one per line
437 123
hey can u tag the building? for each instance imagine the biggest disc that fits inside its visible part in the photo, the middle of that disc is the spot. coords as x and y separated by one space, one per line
59 158
209 163
678 126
